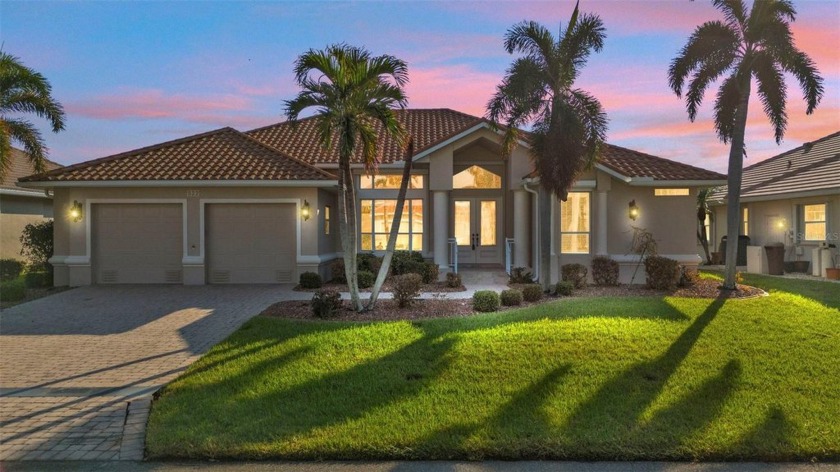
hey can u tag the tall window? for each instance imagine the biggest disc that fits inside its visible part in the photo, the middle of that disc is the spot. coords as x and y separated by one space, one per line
814 222
574 224
476 177
327 219
707 227
376 218
746 230
391 182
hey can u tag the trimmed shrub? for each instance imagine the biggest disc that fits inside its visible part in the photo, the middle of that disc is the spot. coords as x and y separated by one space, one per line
532 292
564 289
406 288
10 269
511 297
604 271
453 280
326 303
38 279
310 280
575 273
366 278
520 275
337 271
431 272
688 276
407 262
662 273
12 290
368 261
37 244
486 301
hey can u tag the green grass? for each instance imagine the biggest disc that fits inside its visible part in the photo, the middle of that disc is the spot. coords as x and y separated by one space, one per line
611 378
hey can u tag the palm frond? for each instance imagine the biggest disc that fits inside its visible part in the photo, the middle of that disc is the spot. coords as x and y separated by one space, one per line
28 135
734 11
712 42
532 39
726 105
772 91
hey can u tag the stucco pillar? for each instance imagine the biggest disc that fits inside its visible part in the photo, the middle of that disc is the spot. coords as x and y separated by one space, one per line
440 228
521 228
601 227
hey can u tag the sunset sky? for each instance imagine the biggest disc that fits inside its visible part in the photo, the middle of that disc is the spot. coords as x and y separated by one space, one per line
132 74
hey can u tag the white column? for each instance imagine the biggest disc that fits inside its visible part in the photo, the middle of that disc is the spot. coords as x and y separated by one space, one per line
440 229
521 228
601 234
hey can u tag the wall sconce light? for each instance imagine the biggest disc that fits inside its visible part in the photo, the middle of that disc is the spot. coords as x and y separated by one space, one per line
633 211
305 210
76 211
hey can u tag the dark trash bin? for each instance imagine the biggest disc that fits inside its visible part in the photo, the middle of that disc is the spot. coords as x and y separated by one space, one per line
743 242
775 258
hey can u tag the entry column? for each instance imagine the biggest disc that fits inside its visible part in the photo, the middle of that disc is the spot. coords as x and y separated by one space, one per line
440 229
521 228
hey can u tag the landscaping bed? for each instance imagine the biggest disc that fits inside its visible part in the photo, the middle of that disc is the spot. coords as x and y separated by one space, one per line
441 287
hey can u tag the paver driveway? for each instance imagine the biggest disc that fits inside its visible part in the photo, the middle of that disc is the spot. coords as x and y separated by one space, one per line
77 369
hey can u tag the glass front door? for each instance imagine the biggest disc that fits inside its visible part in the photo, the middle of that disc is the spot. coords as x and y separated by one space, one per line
476 228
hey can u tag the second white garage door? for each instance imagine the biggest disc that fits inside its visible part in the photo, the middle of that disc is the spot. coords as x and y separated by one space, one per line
248 243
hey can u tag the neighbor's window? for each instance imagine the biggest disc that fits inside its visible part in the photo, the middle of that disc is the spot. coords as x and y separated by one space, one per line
574 224
671 192
707 227
376 218
327 219
389 182
814 222
476 177
746 229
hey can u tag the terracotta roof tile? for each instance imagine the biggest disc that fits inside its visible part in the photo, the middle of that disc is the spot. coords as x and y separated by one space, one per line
427 126
630 163
224 154
21 167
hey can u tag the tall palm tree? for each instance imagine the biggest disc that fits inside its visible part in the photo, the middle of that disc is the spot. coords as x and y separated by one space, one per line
22 90
760 45
704 212
569 125
351 91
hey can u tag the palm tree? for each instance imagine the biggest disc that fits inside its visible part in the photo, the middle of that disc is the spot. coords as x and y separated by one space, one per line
703 212
22 90
351 91
568 124
743 46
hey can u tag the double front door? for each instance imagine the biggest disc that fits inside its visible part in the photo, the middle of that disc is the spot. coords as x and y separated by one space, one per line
476 223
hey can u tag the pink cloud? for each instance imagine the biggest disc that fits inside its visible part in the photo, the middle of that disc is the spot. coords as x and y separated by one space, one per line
458 87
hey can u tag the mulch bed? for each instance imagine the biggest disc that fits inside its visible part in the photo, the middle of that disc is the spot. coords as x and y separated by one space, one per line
387 310
386 287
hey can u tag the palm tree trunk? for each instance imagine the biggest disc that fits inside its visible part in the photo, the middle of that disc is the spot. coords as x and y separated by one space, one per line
544 201
347 230
395 225
736 168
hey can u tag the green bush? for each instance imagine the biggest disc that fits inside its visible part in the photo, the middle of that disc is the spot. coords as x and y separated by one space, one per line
406 288
688 276
511 297
520 275
368 261
310 280
532 292
453 280
407 262
337 271
564 289
604 271
37 244
12 290
10 269
431 272
575 273
38 279
326 303
486 301
662 273
365 278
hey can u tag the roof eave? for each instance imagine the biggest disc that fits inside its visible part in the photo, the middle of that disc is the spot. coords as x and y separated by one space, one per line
24 193
181 183
783 196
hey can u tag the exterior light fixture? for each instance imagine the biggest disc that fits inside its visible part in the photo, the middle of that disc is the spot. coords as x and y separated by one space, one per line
76 211
305 210
633 211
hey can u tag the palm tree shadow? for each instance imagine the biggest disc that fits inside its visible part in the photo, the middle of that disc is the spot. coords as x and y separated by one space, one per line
770 440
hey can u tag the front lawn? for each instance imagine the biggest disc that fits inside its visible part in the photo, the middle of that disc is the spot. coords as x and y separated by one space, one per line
609 378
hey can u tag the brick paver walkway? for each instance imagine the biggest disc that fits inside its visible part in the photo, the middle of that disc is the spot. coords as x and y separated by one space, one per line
77 369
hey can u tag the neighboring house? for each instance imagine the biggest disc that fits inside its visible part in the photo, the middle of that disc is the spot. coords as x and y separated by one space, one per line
792 198
227 207
20 206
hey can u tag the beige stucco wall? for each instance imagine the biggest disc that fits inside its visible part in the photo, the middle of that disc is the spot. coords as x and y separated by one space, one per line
15 213
72 258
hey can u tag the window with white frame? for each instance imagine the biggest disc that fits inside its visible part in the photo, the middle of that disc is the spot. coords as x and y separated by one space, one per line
574 224
327 220
376 217
814 222
389 182
671 192
746 219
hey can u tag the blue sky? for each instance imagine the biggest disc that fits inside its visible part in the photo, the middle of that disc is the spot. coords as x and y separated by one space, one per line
132 74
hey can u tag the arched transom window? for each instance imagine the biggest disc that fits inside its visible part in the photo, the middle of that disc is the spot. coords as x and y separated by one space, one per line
476 177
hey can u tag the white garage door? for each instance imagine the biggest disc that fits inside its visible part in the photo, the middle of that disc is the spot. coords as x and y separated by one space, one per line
137 243
250 243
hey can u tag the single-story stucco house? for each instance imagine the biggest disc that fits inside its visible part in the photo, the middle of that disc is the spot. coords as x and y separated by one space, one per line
20 206
793 199
260 206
